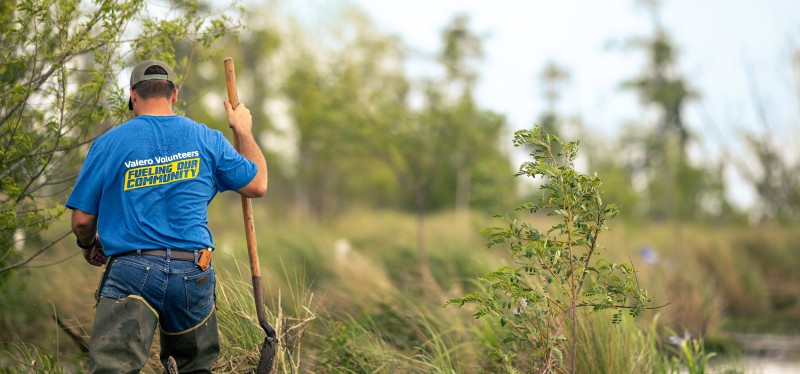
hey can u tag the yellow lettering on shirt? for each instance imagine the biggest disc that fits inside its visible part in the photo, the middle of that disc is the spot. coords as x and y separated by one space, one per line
154 175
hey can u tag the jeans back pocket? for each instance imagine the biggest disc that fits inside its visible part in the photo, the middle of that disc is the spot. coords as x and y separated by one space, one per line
199 290
124 278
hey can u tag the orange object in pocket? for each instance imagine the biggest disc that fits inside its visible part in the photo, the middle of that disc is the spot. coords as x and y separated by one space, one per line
204 259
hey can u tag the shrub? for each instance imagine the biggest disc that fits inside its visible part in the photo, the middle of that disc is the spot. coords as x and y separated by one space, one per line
557 271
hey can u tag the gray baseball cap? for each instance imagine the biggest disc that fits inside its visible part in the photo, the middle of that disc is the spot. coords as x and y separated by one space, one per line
138 75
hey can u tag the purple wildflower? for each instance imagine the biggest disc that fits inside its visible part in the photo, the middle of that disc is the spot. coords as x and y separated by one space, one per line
648 255
677 340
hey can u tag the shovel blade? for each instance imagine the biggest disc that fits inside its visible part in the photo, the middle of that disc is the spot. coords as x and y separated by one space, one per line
267 358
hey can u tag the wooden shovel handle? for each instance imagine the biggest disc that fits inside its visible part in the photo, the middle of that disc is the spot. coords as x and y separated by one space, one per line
247 209
247 212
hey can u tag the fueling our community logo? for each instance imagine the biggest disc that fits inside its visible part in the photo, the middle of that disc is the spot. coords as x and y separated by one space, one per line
161 170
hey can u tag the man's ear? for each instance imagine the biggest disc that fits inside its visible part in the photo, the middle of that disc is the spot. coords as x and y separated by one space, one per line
174 97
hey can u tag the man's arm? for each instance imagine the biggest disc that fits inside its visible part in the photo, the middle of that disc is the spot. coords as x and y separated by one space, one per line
84 225
241 122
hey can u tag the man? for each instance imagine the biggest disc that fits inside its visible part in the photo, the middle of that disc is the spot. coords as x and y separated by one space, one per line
144 188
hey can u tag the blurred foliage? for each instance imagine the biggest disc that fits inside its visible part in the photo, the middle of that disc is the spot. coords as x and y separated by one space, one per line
776 180
553 76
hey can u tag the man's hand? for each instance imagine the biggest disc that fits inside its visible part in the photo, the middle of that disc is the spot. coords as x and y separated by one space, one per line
239 119
95 255
241 122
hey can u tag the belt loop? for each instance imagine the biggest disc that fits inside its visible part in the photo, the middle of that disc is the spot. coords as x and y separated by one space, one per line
169 254
138 252
196 255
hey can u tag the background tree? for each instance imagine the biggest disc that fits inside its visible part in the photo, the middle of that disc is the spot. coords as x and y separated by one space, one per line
673 187
55 81
774 175
331 97
444 141
478 132
553 76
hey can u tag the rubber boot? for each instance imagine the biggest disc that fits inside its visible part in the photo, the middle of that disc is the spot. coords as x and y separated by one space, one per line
194 350
121 337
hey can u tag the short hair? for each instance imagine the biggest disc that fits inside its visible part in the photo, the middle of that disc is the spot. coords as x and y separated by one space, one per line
154 88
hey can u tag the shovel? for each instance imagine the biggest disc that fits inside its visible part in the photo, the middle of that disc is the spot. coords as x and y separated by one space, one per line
271 341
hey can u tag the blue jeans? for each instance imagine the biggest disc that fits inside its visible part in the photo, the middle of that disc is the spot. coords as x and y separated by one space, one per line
179 292
136 294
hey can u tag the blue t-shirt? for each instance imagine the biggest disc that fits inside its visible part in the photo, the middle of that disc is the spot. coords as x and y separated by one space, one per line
149 182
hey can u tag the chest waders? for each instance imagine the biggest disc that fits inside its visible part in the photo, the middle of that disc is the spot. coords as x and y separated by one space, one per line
124 329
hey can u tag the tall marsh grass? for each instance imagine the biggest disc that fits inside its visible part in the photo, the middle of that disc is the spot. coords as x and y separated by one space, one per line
345 295
607 348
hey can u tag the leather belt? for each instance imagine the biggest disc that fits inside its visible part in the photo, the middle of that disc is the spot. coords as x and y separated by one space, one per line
174 254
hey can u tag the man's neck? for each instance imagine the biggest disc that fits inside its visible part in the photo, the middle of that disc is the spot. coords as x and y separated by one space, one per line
153 107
